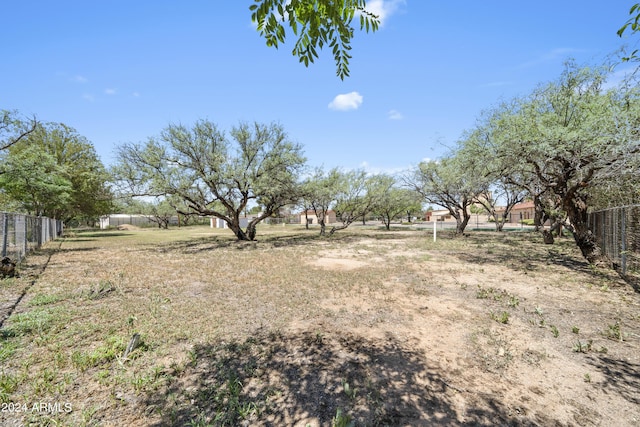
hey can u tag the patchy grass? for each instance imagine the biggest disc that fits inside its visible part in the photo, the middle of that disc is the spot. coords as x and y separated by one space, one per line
366 327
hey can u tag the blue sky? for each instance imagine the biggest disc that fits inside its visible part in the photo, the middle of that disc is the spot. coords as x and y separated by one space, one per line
119 71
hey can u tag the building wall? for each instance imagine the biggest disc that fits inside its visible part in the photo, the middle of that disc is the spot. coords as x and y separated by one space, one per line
313 219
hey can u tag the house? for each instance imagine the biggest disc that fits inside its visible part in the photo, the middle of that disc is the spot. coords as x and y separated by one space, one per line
522 211
442 215
313 219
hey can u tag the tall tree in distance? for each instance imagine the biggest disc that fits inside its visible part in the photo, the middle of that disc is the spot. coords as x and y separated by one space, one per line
446 183
54 171
212 174
32 178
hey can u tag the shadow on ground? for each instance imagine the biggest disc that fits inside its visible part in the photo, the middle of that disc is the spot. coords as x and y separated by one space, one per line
522 252
620 377
276 379
262 242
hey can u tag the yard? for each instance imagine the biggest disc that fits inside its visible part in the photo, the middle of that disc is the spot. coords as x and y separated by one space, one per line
367 326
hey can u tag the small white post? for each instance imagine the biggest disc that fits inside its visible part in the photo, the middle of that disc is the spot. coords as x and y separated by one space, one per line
434 231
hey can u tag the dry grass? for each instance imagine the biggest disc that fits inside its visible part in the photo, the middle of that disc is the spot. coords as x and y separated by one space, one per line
369 327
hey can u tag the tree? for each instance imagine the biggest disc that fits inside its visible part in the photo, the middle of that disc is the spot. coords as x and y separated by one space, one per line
344 192
13 129
501 191
315 23
445 183
212 174
83 193
36 182
569 135
498 192
356 197
91 195
160 212
392 201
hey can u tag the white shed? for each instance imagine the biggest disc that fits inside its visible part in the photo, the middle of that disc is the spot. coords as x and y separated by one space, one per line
221 223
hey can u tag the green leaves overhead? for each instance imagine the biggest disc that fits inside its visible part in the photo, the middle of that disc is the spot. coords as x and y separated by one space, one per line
632 23
315 23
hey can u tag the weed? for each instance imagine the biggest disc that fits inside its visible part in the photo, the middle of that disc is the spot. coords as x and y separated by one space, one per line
101 355
199 421
102 376
482 293
554 331
88 414
43 299
130 321
100 290
342 420
575 330
7 348
587 378
148 381
513 301
498 295
501 317
8 384
580 347
349 391
614 333
34 321
45 382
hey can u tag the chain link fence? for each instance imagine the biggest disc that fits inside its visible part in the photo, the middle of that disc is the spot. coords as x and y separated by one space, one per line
22 234
617 231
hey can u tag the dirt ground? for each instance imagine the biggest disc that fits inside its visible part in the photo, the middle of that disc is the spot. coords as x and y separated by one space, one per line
366 328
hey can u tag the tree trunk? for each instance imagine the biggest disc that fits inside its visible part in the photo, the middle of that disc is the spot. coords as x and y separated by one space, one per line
538 215
240 233
251 232
387 222
576 207
461 223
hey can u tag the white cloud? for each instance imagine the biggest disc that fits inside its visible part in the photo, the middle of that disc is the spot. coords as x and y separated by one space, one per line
376 170
110 91
395 115
346 101
79 79
136 94
88 97
384 8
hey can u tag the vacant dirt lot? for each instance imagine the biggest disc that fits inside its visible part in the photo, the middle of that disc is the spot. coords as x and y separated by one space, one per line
365 328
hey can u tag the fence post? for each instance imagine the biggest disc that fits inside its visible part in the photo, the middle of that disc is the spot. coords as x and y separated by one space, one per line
623 240
26 230
5 233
